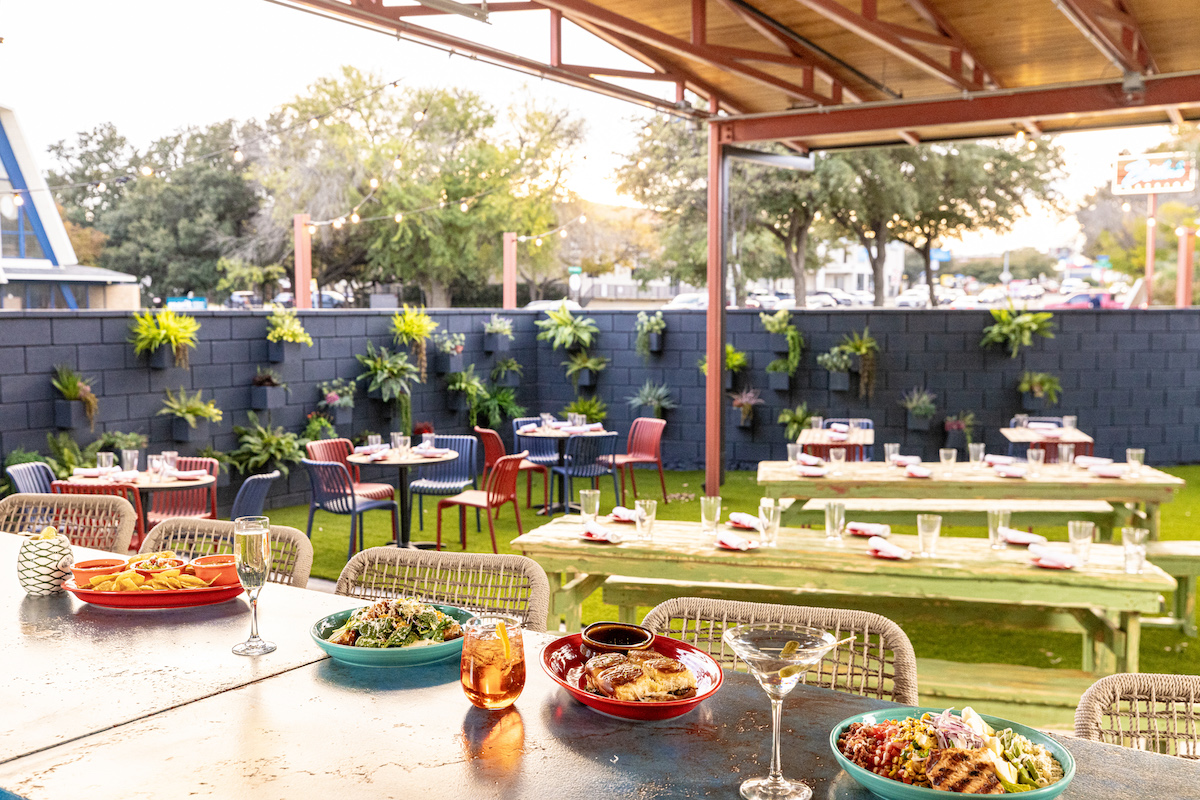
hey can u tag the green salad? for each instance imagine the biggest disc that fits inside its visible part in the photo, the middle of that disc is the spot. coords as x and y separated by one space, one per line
401 622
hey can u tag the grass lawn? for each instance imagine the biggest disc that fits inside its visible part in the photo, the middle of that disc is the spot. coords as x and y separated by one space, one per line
1161 651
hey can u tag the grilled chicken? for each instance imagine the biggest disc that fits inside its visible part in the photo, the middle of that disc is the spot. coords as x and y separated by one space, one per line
966 771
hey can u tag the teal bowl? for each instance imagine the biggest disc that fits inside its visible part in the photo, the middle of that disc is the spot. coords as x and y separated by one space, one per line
895 790
387 656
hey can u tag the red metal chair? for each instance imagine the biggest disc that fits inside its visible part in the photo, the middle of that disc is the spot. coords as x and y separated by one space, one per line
644 446
337 450
198 503
493 451
854 452
127 490
1050 448
500 488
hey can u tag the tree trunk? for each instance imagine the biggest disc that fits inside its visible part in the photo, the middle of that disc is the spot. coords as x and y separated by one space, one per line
877 255
926 252
797 252
437 294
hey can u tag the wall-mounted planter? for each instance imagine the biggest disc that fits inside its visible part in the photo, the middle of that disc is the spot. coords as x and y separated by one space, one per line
160 358
511 380
779 381
69 414
956 439
496 343
779 342
182 432
1030 402
730 378
375 394
735 420
587 378
447 362
280 352
266 397
648 411
656 342
343 416
455 401
839 381
916 423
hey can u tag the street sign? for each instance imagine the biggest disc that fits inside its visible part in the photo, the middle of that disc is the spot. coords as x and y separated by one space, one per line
1155 173
574 270
938 254
574 282
187 303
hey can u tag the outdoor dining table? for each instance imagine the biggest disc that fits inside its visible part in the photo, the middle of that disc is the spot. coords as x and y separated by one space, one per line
1032 435
402 464
123 705
560 437
819 441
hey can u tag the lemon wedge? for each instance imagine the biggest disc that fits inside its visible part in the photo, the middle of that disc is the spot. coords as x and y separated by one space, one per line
48 532
502 632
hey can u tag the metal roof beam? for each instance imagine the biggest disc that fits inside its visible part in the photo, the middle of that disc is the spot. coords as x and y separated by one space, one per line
1113 30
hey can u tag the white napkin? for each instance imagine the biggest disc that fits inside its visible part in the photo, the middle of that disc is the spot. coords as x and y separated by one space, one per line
575 429
1010 470
1041 426
733 541
89 472
882 547
1014 536
742 518
624 514
559 423
431 452
840 427
530 427
992 461
1087 462
1050 433
598 533
369 448
835 436
917 471
808 460
125 475
905 461
809 472
188 474
594 426
1107 470
379 455
1056 559
869 529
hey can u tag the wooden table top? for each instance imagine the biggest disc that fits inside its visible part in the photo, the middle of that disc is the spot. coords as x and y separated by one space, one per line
394 460
144 483
864 436
1028 435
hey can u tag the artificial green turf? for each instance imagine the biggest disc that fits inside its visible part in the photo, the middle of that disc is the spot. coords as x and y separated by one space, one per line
1161 651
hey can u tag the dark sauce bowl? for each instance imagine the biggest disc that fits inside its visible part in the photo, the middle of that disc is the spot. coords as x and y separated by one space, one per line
614 637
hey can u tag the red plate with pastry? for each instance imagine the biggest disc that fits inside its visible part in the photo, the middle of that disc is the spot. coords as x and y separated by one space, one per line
668 679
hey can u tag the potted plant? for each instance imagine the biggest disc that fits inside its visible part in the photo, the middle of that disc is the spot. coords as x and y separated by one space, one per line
656 397
498 404
163 335
795 420
593 408
583 368
285 334
741 415
1038 390
318 425
1013 329
507 372
448 349
864 347
920 409
337 397
223 463
650 329
735 362
116 441
412 328
563 329
497 334
192 415
79 403
267 390
389 377
263 448
837 363
466 390
960 429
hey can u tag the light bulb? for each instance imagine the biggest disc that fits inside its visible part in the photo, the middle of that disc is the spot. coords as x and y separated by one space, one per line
1126 207
312 229
238 156
314 123
562 234
18 200
374 183
1020 136
642 165
647 130
101 187
442 204
420 115
355 218
147 170
338 223
1032 145
583 217
398 163
399 218
538 241
464 207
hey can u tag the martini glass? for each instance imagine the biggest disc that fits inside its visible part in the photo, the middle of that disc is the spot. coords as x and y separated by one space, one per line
778 655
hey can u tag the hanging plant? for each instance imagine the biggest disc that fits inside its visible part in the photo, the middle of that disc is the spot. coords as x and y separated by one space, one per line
780 324
150 331
563 329
655 396
591 407
391 374
412 327
650 329
795 420
745 402
284 326
472 389
582 368
74 387
865 347
1012 329
1041 385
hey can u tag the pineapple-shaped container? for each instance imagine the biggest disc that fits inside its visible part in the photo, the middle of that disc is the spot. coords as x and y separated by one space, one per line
44 562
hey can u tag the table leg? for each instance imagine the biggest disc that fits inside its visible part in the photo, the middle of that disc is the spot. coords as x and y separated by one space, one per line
1152 521
1128 656
556 582
1185 604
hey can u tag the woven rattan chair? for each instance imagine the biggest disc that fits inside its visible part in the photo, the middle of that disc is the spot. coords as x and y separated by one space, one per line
879 663
291 551
481 582
97 521
1157 713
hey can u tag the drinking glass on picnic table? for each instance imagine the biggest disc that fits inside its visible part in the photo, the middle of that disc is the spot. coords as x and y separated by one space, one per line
1066 456
710 515
768 521
975 453
997 519
929 527
947 455
1079 534
778 655
1135 458
104 459
890 451
644 513
252 554
170 459
374 439
835 523
589 504
837 458
1134 542
1035 456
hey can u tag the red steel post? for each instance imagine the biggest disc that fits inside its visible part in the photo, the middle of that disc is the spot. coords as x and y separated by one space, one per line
1186 263
715 339
1151 230
301 291
510 270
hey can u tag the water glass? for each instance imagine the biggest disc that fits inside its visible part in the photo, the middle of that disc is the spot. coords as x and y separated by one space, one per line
793 453
890 451
374 440
129 460
492 669
252 554
154 466
710 514
1134 541
975 452
395 438
768 520
1070 422
835 523
1021 420
837 457
1135 457
948 456
929 527
170 459
105 459
816 423
1066 455
1035 456
429 440
854 424
546 420
644 513
997 519
589 504
1080 534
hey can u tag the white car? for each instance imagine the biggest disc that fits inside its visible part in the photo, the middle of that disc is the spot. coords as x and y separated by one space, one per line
697 301
820 299
992 295
1073 286
543 305
916 297
966 301
1031 292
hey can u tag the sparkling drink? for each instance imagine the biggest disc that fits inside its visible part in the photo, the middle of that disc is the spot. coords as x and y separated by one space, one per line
493 661
252 554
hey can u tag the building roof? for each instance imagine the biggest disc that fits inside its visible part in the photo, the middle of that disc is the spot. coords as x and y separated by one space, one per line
32 269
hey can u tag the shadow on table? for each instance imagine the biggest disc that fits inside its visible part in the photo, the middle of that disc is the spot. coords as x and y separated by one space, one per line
385 679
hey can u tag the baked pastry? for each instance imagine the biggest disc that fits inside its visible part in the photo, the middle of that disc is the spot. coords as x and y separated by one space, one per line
642 676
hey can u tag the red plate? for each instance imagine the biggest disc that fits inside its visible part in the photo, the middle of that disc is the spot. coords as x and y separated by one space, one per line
165 598
753 546
563 663
619 521
740 526
1037 563
877 554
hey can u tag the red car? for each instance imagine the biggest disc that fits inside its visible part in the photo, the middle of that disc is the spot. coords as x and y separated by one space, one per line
1086 300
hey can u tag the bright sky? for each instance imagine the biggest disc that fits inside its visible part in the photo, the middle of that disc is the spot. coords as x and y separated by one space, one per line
152 67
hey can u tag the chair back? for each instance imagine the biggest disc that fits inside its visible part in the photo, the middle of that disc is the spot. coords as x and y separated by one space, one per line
1157 713
97 521
502 480
590 456
645 438
481 582
291 551
862 422
129 491
333 450
493 447
32 478
253 495
537 446
198 502
461 470
879 663
332 489
1012 423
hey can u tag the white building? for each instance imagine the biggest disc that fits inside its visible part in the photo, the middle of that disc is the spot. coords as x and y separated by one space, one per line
849 269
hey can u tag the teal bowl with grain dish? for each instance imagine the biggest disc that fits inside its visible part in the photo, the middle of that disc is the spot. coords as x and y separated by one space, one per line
418 652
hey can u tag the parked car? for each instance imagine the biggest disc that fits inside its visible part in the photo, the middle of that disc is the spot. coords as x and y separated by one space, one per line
838 296
696 301
1086 300
966 301
821 299
914 297
324 299
542 305
1073 285
992 295
244 300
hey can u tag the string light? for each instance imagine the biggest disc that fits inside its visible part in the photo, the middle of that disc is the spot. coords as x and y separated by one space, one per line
562 234
101 187
418 116
147 170
538 241
399 218
355 218
583 217
1020 137
338 223
642 165
464 206
374 183
314 123
238 156
312 229
17 200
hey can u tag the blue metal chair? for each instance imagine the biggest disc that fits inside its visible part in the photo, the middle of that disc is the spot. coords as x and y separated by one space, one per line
333 491
587 457
32 478
1012 423
447 478
541 450
868 450
253 494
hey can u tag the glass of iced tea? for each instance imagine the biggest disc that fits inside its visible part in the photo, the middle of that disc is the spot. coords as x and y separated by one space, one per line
493 661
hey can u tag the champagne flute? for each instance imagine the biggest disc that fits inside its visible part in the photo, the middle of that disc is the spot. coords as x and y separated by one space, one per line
252 554
778 655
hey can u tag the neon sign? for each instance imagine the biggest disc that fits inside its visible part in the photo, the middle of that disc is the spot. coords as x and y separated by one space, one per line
1155 173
